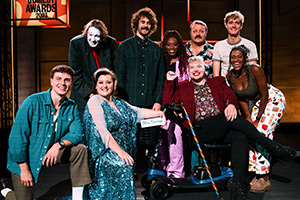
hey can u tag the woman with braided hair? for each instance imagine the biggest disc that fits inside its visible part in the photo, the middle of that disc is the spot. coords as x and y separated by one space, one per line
171 147
261 104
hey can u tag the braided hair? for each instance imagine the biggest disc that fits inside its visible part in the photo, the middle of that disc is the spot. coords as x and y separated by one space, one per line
183 57
245 52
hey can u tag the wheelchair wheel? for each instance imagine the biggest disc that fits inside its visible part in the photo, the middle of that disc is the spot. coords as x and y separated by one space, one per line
146 184
229 184
160 191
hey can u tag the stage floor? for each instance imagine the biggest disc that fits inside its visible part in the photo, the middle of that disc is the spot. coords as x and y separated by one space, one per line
285 178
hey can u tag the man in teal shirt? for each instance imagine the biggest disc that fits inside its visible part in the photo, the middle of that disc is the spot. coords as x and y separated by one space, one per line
47 124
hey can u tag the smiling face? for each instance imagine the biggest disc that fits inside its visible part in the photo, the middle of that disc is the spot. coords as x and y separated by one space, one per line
197 71
172 47
234 26
237 59
198 34
93 36
105 86
61 83
144 27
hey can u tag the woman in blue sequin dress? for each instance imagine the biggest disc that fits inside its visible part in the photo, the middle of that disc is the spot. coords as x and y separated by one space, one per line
109 133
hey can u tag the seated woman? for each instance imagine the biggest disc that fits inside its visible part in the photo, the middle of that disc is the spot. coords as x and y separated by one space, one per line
212 107
171 146
261 104
109 133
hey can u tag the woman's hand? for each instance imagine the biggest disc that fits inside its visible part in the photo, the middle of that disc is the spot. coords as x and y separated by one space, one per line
230 112
125 157
255 123
162 114
171 75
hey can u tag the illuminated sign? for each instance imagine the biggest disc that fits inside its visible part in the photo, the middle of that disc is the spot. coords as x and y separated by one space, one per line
45 13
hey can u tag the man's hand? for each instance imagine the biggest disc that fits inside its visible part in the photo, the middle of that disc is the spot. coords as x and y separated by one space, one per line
230 112
51 155
25 176
156 107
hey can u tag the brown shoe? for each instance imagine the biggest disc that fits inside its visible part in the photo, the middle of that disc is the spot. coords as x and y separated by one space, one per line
253 182
261 186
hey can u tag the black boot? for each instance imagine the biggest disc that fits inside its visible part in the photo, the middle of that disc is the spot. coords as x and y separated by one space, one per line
286 153
238 191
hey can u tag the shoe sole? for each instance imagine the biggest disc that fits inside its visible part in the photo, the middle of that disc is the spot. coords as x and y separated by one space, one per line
261 191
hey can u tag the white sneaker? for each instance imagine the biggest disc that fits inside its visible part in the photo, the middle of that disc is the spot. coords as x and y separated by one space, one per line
173 175
5 191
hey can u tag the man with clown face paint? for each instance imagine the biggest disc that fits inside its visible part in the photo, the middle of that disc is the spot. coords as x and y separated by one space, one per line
89 51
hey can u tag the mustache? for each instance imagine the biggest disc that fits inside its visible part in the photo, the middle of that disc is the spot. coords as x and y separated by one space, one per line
146 28
198 36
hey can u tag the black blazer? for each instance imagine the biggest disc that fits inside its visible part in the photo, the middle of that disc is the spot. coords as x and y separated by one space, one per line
81 59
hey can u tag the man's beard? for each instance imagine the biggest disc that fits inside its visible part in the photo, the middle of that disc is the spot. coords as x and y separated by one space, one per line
144 35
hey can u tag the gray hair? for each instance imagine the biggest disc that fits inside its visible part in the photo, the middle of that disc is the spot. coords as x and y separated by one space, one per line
199 22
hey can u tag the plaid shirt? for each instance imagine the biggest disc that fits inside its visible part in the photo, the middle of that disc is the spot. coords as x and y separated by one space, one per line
206 53
140 70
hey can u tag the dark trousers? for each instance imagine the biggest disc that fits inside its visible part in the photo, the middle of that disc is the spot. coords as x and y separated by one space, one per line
79 172
237 133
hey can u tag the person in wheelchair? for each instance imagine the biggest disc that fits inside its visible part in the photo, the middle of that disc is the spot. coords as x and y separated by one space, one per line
212 107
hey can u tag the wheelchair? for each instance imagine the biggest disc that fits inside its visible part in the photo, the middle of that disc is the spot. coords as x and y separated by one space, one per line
206 176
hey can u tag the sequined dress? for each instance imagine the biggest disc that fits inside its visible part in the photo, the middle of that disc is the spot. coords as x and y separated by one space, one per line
111 179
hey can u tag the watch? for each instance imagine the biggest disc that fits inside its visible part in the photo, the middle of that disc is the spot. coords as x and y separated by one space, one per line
62 144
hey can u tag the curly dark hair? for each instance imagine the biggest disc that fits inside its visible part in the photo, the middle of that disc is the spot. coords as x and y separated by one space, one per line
144 12
97 23
183 57
245 52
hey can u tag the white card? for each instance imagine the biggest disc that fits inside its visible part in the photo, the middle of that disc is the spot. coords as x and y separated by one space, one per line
157 121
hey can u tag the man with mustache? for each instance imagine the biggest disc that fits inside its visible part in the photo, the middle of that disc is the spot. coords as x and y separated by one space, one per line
234 22
140 63
198 46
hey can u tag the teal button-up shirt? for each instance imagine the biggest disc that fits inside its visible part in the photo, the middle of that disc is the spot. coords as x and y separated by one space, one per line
31 132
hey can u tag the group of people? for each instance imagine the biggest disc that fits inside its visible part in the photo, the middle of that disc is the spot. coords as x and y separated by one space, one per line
96 133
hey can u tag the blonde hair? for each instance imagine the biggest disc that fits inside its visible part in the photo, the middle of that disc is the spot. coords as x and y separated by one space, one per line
235 15
196 59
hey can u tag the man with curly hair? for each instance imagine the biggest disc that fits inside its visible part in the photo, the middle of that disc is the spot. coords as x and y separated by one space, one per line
140 63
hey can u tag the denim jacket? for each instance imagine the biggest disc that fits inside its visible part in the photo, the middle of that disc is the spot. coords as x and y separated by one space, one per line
31 132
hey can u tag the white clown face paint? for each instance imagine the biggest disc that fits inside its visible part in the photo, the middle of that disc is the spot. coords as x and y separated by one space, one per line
93 36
